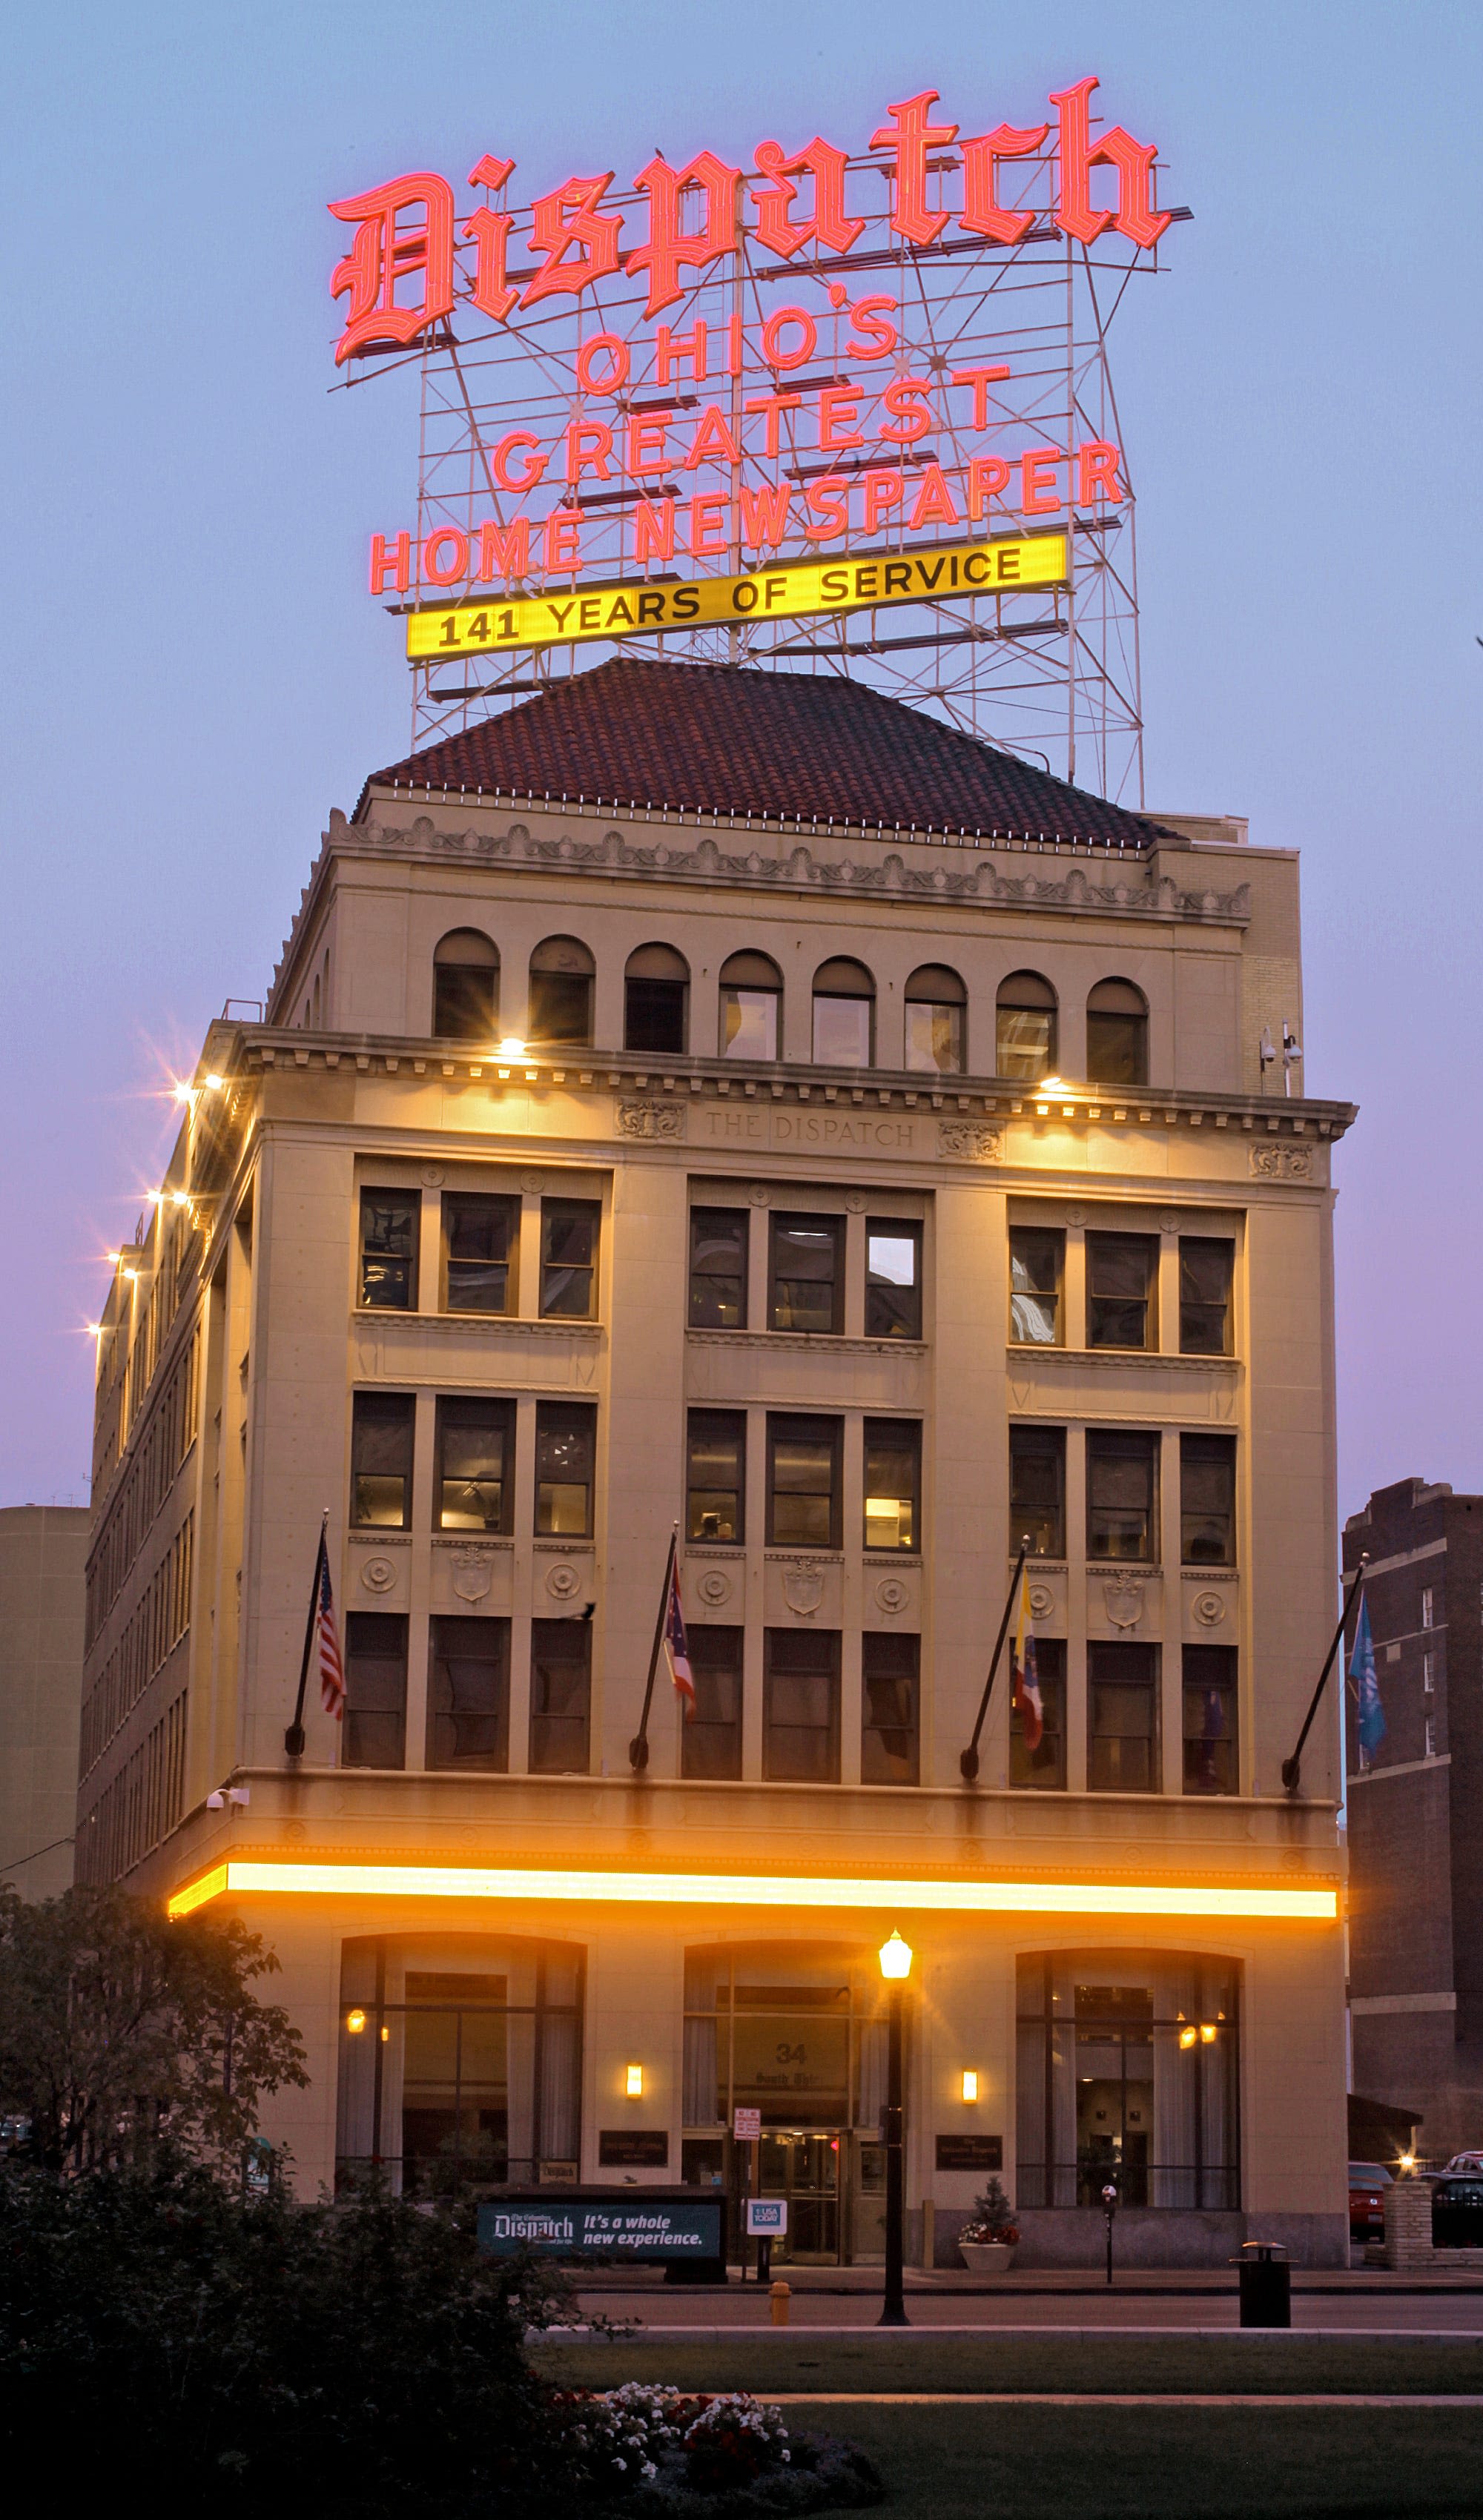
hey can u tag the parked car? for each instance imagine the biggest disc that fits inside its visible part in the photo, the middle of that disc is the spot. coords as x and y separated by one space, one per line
1463 2161
1367 2182
1456 2211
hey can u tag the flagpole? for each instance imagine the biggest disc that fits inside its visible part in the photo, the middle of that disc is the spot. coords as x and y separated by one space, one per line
293 1737
1293 1768
969 1757
638 1748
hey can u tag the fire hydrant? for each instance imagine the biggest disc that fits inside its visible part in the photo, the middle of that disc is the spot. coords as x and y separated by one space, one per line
780 2298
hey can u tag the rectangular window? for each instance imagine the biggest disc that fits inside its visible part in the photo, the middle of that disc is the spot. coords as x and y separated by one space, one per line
1044 1768
1428 1675
566 1437
480 1240
474 1476
1122 1275
1207 1499
374 1728
1037 1274
388 1232
469 1695
1122 1750
380 1459
1429 1746
569 1259
807 1272
892 1483
1122 1497
801 1706
715 1487
1038 1489
710 1738
718 1267
892 1279
890 1681
1205 1269
1209 1691
803 1482
1427 1606
560 1696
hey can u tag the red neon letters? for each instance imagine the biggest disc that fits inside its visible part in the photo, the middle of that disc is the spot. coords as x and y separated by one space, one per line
405 228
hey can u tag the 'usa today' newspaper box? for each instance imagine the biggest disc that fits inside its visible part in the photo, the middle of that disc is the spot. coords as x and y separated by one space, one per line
642 2226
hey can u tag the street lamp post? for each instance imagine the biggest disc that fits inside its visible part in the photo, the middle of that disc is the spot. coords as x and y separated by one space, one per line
895 1968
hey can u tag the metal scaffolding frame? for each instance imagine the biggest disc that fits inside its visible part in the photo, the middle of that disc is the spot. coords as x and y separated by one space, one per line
1051 675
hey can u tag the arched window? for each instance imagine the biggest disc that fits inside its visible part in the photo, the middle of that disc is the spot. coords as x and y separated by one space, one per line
561 993
465 986
936 1010
1024 1027
751 1006
844 1007
655 990
1117 1034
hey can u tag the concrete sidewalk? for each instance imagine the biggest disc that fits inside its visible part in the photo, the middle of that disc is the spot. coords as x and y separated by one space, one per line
1333 2304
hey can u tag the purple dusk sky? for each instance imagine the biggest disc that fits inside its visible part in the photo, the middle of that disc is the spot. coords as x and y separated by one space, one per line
195 673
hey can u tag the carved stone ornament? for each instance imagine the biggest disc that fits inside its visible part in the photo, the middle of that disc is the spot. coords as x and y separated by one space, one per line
563 1580
855 1200
714 1587
432 1176
1170 1221
532 1181
892 1594
1208 1608
1124 1602
378 1574
1042 1600
473 1574
803 1590
1281 1163
759 1193
650 1119
971 1141
1074 1215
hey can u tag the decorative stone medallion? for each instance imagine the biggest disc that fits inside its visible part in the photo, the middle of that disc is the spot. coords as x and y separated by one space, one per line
1281 1163
1124 1602
650 1119
855 1200
563 1580
714 1587
432 1176
378 1574
892 1594
759 1193
1042 1600
803 1590
1208 1608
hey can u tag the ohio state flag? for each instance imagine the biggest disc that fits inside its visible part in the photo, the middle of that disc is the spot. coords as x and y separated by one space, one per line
1026 1684
676 1643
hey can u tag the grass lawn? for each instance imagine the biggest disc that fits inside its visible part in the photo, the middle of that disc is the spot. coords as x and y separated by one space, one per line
794 2359
1197 2462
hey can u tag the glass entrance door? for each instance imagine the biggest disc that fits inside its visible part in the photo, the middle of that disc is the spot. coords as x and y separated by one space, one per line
805 2169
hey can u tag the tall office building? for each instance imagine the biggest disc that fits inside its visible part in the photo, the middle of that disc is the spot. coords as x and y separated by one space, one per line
1416 1897
732 1100
43 1550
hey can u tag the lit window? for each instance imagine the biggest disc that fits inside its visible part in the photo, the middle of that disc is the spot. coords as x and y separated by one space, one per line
936 1002
565 1435
1037 1266
388 1229
716 1481
480 1240
1024 1028
892 1483
475 1475
892 1279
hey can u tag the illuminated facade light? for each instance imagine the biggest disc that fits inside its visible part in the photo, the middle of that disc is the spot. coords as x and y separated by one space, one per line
355 2022
511 1048
633 2082
969 2084
1316 1905
895 1957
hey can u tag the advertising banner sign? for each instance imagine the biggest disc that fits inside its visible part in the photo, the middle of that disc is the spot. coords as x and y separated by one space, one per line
643 2227
766 2218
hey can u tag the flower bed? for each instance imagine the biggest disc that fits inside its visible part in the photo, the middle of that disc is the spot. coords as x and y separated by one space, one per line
667 2456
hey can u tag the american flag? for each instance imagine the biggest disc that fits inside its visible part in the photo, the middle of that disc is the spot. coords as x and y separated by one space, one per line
676 1645
332 1671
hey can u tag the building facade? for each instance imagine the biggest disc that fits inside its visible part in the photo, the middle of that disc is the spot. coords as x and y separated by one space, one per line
1416 1896
43 1552
731 1102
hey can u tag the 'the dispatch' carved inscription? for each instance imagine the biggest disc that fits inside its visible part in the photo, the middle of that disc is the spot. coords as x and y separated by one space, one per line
838 1132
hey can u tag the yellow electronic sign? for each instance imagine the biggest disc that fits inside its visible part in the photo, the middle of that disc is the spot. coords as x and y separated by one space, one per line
996 565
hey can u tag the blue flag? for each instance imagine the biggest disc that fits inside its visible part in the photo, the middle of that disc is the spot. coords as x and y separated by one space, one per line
1370 1718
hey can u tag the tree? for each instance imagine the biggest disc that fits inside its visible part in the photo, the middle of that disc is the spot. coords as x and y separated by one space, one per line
120 2031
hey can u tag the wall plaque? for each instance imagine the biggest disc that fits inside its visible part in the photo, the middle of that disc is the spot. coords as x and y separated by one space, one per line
633 2148
970 2152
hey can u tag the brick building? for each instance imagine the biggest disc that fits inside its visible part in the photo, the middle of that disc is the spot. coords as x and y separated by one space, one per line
1414 1851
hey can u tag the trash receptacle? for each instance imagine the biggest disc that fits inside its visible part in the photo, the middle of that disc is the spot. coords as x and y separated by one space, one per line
1266 2285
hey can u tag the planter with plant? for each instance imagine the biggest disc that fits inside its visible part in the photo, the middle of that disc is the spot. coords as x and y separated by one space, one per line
990 2236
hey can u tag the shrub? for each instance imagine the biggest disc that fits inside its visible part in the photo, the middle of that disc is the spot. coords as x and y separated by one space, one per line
992 2218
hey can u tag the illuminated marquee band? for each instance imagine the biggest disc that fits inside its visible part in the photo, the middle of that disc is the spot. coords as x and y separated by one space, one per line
998 567
1318 1905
